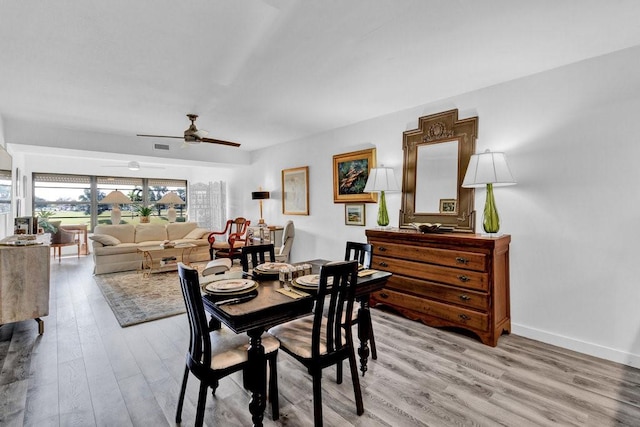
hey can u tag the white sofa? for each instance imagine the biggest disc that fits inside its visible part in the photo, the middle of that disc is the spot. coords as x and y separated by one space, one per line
115 247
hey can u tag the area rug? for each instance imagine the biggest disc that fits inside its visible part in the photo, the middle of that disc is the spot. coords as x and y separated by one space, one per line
136 299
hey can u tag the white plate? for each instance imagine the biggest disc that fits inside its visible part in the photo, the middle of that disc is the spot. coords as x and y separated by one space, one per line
229 285
272 267
312 280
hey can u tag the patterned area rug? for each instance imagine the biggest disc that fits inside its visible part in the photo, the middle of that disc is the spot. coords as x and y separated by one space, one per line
136 299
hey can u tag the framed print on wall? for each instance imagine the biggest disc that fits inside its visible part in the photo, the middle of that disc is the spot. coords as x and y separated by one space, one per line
295 191
354 214
350 173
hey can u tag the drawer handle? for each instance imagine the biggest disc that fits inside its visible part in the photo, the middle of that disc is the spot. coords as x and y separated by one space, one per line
461 260
463 278
383 295
382 249
464 297
383 264
464 317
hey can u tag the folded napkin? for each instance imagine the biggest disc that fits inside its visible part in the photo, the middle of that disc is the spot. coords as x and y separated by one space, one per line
291 294
364 273
237 274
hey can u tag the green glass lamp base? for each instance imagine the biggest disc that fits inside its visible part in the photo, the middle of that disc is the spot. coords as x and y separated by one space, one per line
490 220
383 216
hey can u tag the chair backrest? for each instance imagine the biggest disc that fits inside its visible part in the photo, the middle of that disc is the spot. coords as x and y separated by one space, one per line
254 255
361 252
236 227
200 342
339 295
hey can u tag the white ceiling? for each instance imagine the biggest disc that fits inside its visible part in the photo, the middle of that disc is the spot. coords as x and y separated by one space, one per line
262 72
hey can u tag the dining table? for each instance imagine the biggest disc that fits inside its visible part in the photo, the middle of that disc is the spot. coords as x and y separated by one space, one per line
272 306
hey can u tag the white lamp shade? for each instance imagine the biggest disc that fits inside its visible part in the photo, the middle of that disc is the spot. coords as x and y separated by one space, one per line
381 179
170 198
115 198
488 168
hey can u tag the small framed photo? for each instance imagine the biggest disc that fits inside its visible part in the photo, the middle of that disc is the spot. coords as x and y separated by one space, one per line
354 214
448 206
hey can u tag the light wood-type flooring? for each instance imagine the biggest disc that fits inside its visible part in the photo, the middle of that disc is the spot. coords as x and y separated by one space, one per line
86 370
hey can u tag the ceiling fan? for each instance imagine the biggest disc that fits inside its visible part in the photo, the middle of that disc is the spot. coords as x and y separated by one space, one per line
195 136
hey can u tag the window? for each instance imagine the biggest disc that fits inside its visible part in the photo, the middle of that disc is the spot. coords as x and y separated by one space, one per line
75 199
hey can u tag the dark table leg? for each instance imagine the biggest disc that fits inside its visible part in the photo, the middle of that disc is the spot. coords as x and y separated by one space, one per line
364 332
256 378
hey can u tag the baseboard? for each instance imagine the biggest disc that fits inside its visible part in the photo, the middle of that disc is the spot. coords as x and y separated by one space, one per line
591 349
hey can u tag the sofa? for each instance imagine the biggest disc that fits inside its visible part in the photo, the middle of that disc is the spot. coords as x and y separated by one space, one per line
115 247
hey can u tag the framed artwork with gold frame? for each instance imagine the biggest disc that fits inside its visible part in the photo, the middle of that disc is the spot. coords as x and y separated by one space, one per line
350 173
295 191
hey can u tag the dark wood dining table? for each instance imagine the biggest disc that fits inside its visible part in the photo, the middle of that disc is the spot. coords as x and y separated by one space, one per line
270 308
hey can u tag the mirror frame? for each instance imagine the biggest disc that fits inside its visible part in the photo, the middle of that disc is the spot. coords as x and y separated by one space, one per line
434 129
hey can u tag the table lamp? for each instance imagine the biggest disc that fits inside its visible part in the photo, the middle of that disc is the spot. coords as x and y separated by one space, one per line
260 195
115 198
382 179
488 168
171 199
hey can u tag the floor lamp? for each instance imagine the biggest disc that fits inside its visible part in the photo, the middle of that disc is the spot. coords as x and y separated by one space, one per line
171 199
115 198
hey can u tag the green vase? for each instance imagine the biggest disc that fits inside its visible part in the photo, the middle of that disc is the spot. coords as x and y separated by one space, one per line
383 216
490 221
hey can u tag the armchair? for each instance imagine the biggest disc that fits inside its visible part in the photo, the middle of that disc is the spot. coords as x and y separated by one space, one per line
230 238
62 238
289 232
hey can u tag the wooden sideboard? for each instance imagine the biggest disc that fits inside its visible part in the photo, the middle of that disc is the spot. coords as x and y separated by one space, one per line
446 279
24 284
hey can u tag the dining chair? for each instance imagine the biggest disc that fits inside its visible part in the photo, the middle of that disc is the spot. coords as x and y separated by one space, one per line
362 252
325 338
215 354
229 239
254 255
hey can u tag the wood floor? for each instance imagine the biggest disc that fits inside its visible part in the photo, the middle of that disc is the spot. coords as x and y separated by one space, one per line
86 370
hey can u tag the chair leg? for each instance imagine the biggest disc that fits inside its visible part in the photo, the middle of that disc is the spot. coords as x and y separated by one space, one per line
356 382
317 398
339 372
372 341
273 386
202 399
183 389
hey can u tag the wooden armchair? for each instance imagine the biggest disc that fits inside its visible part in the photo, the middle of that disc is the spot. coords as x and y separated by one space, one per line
231 238
62 238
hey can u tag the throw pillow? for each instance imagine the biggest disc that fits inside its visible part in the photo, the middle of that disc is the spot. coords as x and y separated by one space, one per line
197 233
105 239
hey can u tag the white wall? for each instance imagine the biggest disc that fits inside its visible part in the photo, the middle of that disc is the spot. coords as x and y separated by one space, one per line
571 139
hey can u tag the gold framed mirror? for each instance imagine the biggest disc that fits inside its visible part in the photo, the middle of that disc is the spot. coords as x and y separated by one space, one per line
436 156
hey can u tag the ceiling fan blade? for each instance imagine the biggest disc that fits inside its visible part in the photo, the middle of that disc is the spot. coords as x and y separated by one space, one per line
162 136
219 141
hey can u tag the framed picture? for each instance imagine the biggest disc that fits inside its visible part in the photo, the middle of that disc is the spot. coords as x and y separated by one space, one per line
350 173
448 206
295 191
354 214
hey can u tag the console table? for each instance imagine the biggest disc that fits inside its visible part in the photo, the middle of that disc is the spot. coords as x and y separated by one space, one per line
446 279
24 284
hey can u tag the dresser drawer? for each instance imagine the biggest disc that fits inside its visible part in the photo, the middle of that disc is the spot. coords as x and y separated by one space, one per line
463 297
450 314
446 257
435 273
